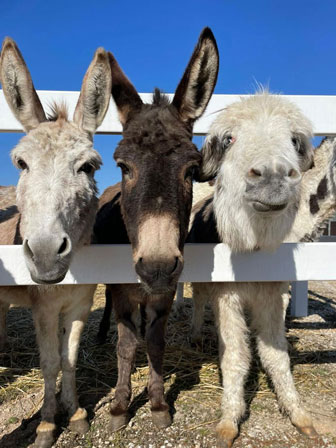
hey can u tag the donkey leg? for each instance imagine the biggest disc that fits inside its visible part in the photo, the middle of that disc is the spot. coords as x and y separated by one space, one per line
46 325
234 356
73 323
199 299
157 314
3 327
106 319
125 313
268 323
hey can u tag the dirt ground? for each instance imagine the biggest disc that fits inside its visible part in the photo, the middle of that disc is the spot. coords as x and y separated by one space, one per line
192 385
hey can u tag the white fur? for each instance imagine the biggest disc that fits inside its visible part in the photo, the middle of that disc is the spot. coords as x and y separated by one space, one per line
262 127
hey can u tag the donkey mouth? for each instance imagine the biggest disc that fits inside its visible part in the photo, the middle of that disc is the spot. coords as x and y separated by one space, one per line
47 281
263 207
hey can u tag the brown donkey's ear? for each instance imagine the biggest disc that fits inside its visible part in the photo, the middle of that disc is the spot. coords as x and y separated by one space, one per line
18 87
198 82
123 92
94 98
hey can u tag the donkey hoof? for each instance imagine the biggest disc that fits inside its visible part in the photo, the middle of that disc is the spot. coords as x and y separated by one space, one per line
308 431
79 426
161 419
44 440
78 422
226 433
118 422
45 435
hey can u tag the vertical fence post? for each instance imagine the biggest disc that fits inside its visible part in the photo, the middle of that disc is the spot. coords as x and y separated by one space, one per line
179 295
299 300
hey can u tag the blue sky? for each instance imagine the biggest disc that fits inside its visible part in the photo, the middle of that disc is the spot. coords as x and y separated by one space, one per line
289 45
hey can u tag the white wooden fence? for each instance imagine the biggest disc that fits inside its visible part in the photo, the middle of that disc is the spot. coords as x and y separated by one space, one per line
296 263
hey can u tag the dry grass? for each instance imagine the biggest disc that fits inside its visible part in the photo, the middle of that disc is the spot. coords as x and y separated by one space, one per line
192 376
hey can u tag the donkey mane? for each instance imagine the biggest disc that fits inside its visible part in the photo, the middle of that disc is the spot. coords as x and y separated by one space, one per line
159 98
58 111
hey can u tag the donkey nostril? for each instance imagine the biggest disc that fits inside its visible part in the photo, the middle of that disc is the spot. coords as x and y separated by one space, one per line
27 249
255 172
64 248
176 264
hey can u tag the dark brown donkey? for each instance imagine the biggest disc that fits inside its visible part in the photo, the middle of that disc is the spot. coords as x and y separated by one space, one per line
158 161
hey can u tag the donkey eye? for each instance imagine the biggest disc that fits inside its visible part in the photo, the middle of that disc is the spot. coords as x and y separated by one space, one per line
124 168
87 168
22 164
298 145
228 140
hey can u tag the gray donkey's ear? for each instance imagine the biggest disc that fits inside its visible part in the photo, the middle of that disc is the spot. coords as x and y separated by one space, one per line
198 82
212 154
18 87
94 98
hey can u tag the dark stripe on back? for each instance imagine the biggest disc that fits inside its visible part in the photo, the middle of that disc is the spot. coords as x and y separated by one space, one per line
313 204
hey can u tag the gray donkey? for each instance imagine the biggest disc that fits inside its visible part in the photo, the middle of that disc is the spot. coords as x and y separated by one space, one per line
151 210
53 217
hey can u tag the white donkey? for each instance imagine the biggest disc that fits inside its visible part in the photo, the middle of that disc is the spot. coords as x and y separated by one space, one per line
257 149
56 206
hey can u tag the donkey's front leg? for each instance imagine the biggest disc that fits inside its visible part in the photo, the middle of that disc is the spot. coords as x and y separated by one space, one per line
126 312
268 323
46 324
234 358
75 317
157 312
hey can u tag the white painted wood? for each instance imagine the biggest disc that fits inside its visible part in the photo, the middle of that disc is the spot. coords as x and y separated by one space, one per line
299 300
321 109
203 263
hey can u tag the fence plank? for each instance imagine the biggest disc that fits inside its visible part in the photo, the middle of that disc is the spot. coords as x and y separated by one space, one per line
299 299
203 263
321 109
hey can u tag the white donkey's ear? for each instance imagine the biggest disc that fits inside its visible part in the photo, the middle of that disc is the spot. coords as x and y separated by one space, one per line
94 98
18 87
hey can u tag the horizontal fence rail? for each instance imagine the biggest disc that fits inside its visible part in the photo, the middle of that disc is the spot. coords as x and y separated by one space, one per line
297 263
321 109
203 263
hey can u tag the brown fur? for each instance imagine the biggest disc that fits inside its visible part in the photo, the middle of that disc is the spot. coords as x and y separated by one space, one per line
157 158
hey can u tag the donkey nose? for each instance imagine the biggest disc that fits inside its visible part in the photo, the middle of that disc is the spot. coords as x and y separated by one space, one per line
262 173
158 274
47 247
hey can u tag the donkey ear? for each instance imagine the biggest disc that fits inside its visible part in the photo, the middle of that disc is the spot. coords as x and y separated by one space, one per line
124 93
198 82
18 87
212 154
94 98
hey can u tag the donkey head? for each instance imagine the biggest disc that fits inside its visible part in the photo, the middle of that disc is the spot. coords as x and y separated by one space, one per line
158 160
56 192
258 148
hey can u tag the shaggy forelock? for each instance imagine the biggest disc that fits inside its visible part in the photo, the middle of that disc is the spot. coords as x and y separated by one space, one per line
58 111
258 106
